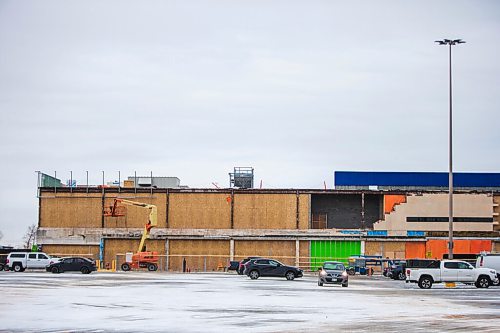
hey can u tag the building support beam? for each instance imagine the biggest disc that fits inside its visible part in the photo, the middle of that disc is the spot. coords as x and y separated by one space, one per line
167 253
297 216
231 249
297 252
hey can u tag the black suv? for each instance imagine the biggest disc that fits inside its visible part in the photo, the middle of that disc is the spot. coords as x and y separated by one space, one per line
399 271
241 266
255 268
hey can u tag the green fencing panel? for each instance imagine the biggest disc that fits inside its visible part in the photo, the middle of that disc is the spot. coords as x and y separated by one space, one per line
333 250
49 181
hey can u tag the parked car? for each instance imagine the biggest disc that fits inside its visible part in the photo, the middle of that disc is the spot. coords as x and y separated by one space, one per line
241 266
333 272
3 260
391 265
256 268
398 271
486 260
19 261
72 264
452 271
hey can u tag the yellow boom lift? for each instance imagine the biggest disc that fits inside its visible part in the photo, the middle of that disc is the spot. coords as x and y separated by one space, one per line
142 258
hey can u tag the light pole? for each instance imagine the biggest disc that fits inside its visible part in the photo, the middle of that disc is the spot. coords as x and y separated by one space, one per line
450 43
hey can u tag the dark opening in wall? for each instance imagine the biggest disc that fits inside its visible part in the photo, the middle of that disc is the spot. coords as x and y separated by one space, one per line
345 211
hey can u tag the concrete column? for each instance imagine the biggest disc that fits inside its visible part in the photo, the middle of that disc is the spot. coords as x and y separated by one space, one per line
231 249
363 247
297 252
167 245
297 209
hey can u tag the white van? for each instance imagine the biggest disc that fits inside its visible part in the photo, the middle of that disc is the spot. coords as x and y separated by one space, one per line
19 261
488 260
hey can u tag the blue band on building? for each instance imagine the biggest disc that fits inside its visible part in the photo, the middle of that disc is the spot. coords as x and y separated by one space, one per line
415 179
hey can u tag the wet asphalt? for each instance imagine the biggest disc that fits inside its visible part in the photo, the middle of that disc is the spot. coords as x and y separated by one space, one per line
217 302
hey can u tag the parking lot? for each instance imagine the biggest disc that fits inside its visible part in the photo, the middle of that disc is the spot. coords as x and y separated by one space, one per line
170 302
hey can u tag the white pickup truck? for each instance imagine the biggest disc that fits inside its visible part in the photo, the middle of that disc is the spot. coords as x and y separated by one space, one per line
19 261
451 271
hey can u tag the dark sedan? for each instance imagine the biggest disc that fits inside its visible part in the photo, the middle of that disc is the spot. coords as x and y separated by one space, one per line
255 268
333 272
72 264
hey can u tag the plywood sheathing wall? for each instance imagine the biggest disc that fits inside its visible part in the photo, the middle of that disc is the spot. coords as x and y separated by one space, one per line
136 217
89 251
393 250
200 255
304 211
305 254
496 247
265 211
199 211
112 247
283 251
70 210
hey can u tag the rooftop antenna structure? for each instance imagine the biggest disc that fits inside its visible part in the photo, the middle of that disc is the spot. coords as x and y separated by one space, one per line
242 177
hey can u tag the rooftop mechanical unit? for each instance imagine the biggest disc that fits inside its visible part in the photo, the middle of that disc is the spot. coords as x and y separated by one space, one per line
242 177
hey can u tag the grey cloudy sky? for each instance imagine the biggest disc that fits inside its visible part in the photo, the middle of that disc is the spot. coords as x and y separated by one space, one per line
296 89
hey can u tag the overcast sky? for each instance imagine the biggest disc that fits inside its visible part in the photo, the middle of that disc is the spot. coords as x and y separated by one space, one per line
296 89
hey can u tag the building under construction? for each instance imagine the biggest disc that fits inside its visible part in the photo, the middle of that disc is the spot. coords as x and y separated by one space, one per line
202 229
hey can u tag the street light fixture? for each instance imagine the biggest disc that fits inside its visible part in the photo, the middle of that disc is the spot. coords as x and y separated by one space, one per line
450 43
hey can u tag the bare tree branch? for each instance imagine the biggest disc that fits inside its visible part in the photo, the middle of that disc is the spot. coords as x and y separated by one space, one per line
30 236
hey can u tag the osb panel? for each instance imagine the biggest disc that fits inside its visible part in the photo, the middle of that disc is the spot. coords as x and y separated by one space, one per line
199 255
284 251
199 211
305 254
136 217
374 248
112 247
304 210
395 246
265 211
67 210
89 251
392 250
305 249
495 247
